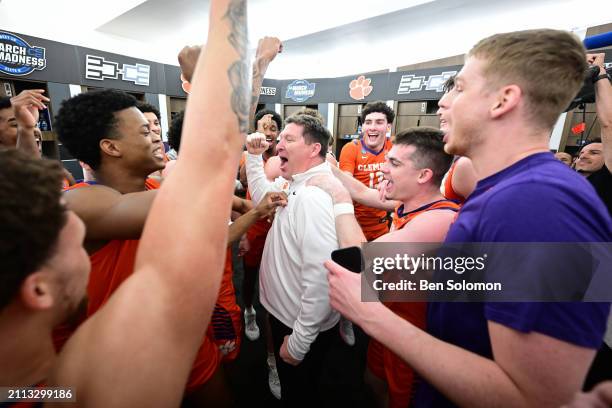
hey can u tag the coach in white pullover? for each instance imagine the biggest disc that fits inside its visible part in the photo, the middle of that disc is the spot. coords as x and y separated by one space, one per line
293 281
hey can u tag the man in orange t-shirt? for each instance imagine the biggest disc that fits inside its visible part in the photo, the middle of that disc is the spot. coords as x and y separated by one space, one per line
114 208
364 158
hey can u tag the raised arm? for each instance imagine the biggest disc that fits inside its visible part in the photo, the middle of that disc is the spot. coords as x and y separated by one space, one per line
267 49
148 334
603 106
25 107
362 194
259 184
108 214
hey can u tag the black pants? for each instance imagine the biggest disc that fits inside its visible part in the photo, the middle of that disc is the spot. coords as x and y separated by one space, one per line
601 369
300 384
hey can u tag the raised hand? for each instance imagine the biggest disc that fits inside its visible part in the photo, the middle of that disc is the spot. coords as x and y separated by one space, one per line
268 48
26 106
188 57
264 123
382 187
256 143
597 60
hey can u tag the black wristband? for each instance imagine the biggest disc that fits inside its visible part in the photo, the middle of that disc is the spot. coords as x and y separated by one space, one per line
602 76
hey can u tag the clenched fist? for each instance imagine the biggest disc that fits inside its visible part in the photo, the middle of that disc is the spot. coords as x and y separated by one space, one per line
256 143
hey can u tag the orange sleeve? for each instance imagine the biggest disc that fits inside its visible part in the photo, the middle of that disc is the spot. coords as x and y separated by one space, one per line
347 157
242 159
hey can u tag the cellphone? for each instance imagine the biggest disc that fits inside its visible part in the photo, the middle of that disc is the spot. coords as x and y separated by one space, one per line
351 258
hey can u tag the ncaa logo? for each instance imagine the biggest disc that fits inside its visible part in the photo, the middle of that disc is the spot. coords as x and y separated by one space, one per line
18 58
300 90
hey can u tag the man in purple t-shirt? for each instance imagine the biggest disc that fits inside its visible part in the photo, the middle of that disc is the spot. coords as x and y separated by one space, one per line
500 114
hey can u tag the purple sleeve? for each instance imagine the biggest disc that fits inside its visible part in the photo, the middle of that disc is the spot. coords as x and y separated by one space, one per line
582 324
532 212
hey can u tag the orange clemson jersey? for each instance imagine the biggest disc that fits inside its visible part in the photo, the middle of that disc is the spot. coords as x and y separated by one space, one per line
366 166
381 361
112 265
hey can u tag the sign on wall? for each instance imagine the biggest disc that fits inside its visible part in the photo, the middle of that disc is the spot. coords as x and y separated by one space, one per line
360 88
414 83
267 90
98 69
18 58
300 90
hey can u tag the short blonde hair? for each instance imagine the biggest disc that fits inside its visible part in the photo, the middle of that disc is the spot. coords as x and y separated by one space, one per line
548 66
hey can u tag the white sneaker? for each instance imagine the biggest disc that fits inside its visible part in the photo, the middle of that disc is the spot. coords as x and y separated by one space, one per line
250 324
346 331
274 381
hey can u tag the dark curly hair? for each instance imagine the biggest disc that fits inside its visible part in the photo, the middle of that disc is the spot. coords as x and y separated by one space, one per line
378 106
175 131
275 117
85 119
31 216
5 102
147 107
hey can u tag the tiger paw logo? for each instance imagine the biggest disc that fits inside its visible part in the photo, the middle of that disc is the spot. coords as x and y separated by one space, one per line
360 88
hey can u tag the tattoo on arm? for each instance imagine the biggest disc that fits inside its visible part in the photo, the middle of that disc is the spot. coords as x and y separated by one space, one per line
259 70
237 72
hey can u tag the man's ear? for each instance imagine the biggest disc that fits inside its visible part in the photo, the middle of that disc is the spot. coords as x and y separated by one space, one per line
36 291
507 99
316 149
424 176
110 147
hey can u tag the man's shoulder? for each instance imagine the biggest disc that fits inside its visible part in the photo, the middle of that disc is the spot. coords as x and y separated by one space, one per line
601 178
312 199
313 193
557 205
388 144
547 181
85 189
349 148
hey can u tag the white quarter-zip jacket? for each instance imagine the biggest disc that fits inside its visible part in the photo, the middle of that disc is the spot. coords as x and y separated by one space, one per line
292 279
